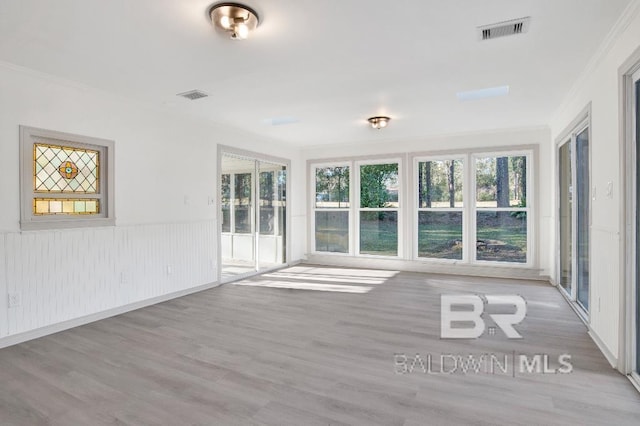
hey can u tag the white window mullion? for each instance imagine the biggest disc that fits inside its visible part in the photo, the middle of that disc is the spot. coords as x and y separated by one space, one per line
471 234
356 209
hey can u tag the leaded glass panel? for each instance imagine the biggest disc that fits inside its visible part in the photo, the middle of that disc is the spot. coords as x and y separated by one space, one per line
63 169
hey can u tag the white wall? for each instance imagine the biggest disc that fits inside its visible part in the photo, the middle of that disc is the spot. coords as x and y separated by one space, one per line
599 85
494 139
165 172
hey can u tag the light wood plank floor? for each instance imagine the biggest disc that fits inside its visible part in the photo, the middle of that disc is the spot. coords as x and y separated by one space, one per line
310 346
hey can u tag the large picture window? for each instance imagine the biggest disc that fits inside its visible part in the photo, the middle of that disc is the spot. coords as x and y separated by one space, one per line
472 207
65 180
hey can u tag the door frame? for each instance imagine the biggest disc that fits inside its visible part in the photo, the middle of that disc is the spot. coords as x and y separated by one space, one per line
568 135
628 72
256 156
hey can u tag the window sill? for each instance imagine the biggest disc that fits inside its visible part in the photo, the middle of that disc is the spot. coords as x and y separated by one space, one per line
44 225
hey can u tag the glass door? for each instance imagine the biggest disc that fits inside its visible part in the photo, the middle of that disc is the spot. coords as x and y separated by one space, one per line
582 218
636 143
238 216
574 217
566 218
272 215
253 217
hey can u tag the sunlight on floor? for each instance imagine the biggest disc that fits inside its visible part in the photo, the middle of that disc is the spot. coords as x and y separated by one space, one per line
326 277
338 288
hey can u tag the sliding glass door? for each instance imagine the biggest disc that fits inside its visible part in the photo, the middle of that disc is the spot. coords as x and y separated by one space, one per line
583 220
636 143
253 215
272 180
566 218
574 216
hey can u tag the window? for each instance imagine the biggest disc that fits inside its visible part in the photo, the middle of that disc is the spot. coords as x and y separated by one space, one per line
226 202
440 209
272 201
469 207
65 180
379 207
501 208
242 203
331 205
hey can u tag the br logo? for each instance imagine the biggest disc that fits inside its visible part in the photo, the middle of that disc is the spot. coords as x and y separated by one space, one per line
474 315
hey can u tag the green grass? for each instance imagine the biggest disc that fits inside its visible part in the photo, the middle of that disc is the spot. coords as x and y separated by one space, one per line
441 241
506 237
378 237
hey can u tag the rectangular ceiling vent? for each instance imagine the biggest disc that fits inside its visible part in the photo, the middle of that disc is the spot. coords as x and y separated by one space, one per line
502 29
193 95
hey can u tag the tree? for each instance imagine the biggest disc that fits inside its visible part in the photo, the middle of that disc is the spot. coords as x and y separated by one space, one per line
424 184
502 181
523 181
451 181
266 188
332 184
374 180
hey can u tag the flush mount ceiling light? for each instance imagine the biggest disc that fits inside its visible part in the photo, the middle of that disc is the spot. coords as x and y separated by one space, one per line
235 19
379 122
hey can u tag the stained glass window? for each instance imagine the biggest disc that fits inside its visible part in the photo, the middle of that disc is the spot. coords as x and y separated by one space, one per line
42 206
65 169
66 180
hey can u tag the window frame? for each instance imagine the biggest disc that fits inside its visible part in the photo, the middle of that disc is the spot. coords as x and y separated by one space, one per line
29 136
529 209
416 211
312 191
408 204
358 209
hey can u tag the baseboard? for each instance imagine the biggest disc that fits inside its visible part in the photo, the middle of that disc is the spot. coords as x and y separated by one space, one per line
635 380
490 271
613 360
14 339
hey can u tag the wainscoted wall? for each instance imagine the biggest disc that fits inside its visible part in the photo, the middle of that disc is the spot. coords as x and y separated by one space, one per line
67 274
3 290
605 287
165 240
598 86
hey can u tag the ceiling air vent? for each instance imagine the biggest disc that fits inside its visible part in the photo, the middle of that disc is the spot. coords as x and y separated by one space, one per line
193 95
501 29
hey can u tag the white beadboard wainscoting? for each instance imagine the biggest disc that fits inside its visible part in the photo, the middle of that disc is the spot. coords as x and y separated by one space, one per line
86 274
605 281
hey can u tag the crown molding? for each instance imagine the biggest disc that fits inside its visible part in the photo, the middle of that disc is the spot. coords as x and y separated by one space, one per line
621 25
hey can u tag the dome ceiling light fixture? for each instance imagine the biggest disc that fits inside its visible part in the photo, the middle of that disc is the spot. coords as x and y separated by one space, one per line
379 122
235 19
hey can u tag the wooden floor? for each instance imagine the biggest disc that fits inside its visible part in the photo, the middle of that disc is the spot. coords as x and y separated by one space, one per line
311 346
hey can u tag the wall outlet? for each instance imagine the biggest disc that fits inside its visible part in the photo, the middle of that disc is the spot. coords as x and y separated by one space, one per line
14 300
169 269
211 200
124 278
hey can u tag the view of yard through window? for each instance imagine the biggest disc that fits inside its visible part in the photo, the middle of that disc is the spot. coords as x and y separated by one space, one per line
332 209
501 215
494 223
379 187
440 209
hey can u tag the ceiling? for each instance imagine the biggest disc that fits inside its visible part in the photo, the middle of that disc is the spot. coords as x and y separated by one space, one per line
329 64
